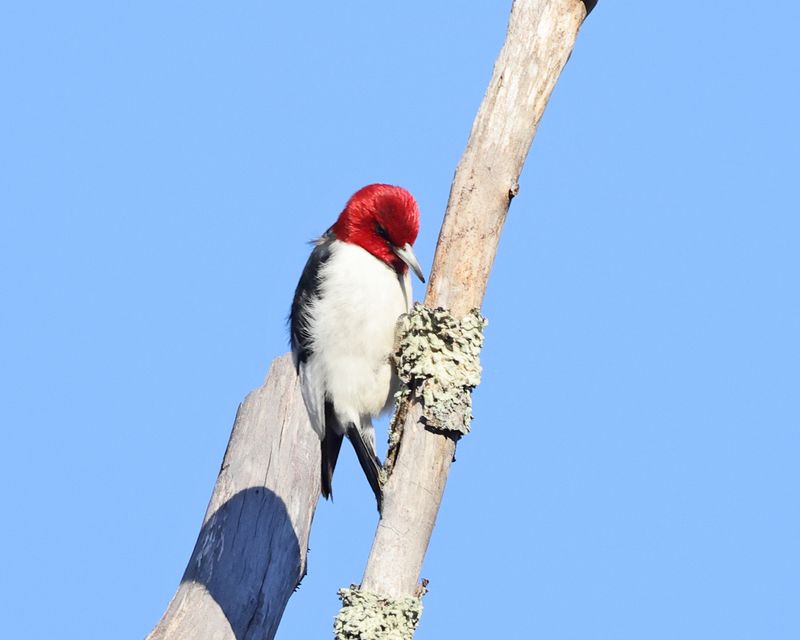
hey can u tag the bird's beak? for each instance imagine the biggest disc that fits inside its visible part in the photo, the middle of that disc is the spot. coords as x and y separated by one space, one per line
406 254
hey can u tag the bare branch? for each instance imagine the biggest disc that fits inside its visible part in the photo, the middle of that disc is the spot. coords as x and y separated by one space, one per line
541 35
251 551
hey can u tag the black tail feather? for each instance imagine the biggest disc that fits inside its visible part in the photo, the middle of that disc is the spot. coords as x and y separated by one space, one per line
330 451
369 462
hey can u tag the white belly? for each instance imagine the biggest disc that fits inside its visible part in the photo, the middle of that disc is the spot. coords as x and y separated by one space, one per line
353 326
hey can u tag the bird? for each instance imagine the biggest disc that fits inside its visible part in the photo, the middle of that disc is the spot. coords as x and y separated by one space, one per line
353 288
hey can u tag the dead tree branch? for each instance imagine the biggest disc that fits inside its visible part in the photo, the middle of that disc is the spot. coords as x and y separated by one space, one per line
541 35
251 551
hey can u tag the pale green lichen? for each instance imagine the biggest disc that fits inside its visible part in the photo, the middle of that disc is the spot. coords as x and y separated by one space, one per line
366 616
438 357
395 432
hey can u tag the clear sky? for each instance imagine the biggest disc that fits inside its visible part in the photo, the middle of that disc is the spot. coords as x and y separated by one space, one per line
633 470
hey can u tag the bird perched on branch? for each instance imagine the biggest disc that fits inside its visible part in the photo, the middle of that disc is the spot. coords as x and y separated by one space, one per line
353 288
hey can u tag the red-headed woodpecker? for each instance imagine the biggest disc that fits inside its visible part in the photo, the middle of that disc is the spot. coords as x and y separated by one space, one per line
354 287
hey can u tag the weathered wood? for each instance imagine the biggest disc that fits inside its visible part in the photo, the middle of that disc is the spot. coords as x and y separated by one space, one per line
541 35
251 551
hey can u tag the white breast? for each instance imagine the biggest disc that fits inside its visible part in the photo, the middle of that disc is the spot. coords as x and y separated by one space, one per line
353 324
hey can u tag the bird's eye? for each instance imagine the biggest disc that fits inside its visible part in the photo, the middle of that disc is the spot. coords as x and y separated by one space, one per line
381 232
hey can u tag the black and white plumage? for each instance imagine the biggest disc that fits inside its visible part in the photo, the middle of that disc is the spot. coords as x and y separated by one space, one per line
352 290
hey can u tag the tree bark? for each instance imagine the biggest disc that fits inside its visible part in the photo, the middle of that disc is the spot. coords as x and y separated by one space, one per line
251 551
541 35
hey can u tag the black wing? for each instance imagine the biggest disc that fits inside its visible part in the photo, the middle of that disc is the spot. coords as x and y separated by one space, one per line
320 411
308 289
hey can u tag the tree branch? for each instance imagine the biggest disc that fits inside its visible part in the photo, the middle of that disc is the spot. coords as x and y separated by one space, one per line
541 35
251 551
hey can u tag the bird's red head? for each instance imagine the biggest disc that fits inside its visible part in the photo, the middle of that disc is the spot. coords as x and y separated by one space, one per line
384 220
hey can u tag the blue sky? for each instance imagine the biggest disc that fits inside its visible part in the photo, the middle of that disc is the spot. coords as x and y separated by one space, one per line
633 467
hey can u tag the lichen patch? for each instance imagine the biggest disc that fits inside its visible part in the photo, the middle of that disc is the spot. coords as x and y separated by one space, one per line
438 357
367 616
